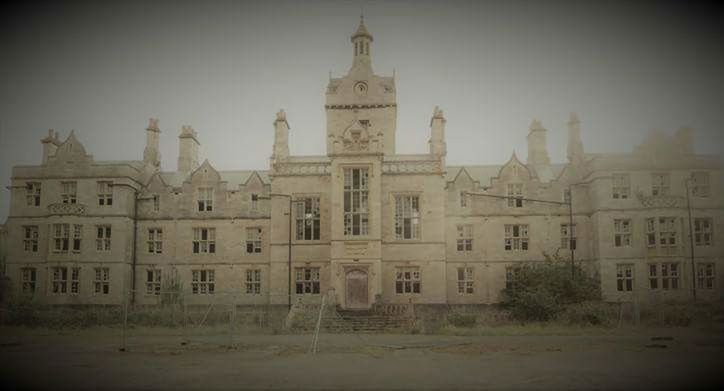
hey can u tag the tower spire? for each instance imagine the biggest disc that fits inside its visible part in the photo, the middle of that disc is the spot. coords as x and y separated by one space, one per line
362 40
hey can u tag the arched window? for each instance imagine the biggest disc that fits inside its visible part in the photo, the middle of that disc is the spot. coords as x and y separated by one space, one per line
367 48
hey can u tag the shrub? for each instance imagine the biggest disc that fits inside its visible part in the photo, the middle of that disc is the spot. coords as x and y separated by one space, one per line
589 313
542 290
461 320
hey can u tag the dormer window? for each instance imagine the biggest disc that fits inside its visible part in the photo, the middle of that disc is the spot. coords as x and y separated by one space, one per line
206 199
254 201
515 194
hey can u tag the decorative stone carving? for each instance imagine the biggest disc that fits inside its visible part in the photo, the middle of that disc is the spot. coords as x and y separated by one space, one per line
661 201
66 209
422 167
355 248
301 169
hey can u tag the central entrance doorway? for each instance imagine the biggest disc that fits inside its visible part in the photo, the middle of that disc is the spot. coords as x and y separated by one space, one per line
356 289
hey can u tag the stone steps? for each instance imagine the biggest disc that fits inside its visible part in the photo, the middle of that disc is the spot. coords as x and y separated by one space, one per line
345 321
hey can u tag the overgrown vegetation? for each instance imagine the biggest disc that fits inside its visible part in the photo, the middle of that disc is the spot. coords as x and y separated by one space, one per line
544 291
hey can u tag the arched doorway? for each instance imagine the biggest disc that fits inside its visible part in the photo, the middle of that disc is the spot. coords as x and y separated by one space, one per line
356 289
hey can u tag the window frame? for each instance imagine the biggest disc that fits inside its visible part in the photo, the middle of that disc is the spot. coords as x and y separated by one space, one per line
620 186
105 193
464 240
307 218
203 281
153 282
567 239
69 192
703 231
254 240
201 245
33 191
101 281
103 238
408 217
252 282
513 242
205 199
660 184
622 237
408 280
154 241
28 280
625 277
31 236
514 192
307 280
706 275
466 280
355 218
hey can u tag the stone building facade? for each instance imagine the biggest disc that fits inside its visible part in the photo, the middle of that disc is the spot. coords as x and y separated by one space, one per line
362 224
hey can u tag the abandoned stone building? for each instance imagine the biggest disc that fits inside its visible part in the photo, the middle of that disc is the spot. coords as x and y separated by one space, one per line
362 224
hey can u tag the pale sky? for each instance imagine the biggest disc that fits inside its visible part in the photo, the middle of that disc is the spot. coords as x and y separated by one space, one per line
226 67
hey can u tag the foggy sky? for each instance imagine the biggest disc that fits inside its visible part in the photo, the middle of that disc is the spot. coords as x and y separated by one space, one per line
226 67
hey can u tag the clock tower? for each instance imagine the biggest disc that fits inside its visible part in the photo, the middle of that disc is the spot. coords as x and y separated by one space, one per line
361 107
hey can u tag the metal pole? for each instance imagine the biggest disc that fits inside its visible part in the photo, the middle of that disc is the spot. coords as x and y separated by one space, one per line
133 256
570 231
289 257
691 241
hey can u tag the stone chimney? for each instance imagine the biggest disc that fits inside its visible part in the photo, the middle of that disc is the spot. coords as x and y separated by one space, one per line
437 133
188 149
50 145
537 150
151 154
281 137
575 145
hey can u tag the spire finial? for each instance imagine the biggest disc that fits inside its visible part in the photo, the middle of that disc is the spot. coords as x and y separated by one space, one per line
361 15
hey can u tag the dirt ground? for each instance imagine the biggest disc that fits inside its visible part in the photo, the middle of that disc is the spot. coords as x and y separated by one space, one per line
169 359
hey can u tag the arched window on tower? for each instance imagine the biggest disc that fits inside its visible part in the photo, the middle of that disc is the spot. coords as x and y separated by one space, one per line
356 48
367 48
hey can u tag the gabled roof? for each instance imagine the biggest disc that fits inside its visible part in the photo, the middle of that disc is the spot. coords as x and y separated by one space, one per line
233 178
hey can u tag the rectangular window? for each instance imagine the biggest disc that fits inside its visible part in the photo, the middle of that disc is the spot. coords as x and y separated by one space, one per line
463 199
661 232
153 282
155 241
700 184
77 237
307 218
206 199
204 240
32 193
465 238
253 282
653 276
516 237
515 190
407 217
702 231
202 282
254 201
103 238
30 238
253 240
156 203
68 192
567 196
61 238
705 275
60 280
28 279
101 282
74 280
568 236
105 193
670 276
511 275
622 232
466 281
621 186
665 275
407 280
624 277
307 280
356 213
659 184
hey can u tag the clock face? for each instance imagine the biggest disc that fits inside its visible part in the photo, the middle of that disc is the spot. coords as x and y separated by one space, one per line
360 88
